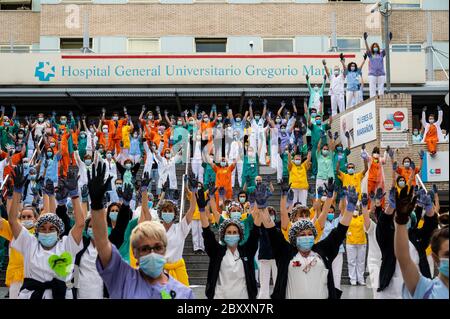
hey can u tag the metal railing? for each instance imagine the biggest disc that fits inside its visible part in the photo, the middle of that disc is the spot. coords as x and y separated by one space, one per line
188 159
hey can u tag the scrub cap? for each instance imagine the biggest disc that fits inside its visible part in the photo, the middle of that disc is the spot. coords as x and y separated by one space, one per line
52 219
298 226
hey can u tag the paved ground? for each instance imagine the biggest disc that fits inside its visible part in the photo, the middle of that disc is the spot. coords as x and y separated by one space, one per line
349 292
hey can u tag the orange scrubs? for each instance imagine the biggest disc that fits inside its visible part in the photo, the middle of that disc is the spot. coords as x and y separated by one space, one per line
115 132
375 178
432 139
406 173
223 179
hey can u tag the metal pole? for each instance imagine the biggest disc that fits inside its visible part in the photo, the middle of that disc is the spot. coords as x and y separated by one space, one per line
428 50
183 185
387 46
334 47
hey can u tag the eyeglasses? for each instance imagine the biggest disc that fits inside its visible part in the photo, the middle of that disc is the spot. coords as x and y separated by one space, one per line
147 249
311 264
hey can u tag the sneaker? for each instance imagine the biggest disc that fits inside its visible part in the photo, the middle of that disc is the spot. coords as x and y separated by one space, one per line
361 283
353 283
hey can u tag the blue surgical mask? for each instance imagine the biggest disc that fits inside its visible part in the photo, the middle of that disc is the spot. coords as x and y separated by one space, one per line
407 164
28 224
48 240
351 171
242 200
167 217
63 122
318 122
305 243
325 152
297 162
32 177
88 162
231 240
339 148
90 233
128 166
330 216
49 154
313 115
401 184
235 215
375 49
152 264
150 205
113 216
257 118
443 267
223 164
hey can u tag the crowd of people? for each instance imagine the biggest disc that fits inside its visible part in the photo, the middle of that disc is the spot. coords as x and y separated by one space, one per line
92 209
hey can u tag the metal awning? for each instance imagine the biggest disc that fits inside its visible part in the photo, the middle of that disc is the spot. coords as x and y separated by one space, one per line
436 88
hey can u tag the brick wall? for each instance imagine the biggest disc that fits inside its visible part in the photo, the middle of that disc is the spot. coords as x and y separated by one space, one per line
23 26
391 101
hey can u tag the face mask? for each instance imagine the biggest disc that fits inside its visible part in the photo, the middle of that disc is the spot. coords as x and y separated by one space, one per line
316 89
235 215
92 130
28 224
330 216
242 200
6 123
152 264
318 122
90 233
115 118
231 240
223 164
401 184
108 155
236 137
277 120
336 72
257 117
63 122
48 240
351 171
41 119
325 152
150 205
20 135
407 164
375 49
352 69
219 119
49 154
416 133
167 217
375 155
205 119
82 136
191 122
32 177
150 117
305 243
105 130
167 155
26 165
443 267
339 149
52 144
355 214
179 123
313 115
297 162
128 166
113 216
238 119
431 121
88 162
283 130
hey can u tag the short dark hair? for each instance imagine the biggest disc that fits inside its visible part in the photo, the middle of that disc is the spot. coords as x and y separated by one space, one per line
439 235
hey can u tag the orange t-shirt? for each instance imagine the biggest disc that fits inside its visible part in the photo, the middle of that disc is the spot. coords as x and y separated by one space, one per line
150 126
206 130
115 131
406 173
374 171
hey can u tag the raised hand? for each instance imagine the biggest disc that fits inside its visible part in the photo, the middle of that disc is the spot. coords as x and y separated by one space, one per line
424 109
84 193
413 165
364 200
202 201
434 188
2 109
143 108
390 151
262 193
364 155
379 194
363 146
365 35
97 185
392 197
290 196
404 203
221 192
336 135
165 186
307 77
421 154
324 62
211 188
285 187
127 193
347 134
330 187
251 198
394 166
70 184
193 182
341 56
49 188
320 192
293 101
365 56
330 135
61 193
19 178
390 36
352 199
265 102
145 182
250 102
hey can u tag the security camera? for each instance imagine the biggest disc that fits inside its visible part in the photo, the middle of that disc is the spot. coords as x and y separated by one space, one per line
250 43
375 7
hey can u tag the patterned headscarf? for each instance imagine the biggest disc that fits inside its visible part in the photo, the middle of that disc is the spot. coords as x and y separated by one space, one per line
228 222
298 226
234 204
52 219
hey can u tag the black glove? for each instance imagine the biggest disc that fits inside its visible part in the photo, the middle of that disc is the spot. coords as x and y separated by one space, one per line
192 182
390 36
221 191
176 195
145 182
84 193
49 188
61 193
262 193
19 178
97 186
364 200
165 186
405 202
71 184
347 134
379 194
365 35
202 201
341 56
285 187
211 188
329 187
127 194
365 56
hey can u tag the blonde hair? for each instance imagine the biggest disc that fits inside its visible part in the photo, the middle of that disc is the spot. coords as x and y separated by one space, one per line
148 229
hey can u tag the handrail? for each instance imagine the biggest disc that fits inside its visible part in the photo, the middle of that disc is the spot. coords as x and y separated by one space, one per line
188 158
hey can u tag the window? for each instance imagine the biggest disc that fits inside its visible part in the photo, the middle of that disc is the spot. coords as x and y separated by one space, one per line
143 45
206 1
15 4
405 4
73 43
278 45
210 45
406 48
348 44
143 1
21 48
75 1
